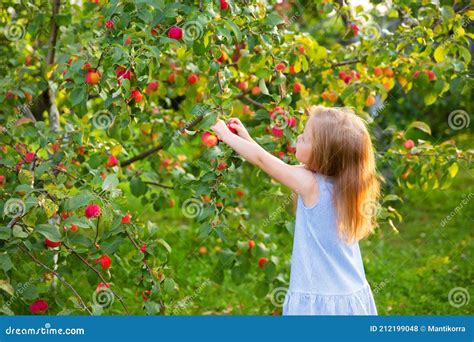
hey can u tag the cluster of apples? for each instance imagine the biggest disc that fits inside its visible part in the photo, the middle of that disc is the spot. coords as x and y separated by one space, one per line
348 75
431 75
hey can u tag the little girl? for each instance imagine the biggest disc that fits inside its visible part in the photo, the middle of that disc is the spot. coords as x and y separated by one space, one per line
337 188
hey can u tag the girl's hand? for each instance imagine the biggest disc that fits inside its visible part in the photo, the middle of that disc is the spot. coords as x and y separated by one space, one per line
240 128
221 129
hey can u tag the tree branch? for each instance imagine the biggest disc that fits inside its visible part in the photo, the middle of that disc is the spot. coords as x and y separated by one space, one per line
152 150
53 109
352 61
248 99
160 185
84 261
79 298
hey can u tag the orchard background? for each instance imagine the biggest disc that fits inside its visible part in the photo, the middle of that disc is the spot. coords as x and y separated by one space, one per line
116 198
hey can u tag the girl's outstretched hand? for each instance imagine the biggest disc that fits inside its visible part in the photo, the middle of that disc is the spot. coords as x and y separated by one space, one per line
220 128
237 125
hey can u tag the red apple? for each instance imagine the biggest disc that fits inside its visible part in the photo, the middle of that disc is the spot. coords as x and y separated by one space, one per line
347 79
2 179
209 139
291 121
122 73
136 95
416 73
92 77
192 79
232 121
408 144
296 87
112 161
355 29
255 90
175 32
388 72
243 85
369 101
262 261
51 244
224 5
172 77
280 67
277 132
251 244
109 24
127 218
222 166
29 157
152 86
431 75
378 71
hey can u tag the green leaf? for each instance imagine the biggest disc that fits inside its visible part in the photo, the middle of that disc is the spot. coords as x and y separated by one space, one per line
78 201
421 126
49 231
169 285
235 29
440 54
138 187
19 232
78 221
6 286
78 95
164 244
263 87
110 182
5 262
5 233
453 170
430 98
273 20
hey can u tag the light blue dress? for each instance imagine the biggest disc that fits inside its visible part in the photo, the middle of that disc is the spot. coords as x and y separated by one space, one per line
327 275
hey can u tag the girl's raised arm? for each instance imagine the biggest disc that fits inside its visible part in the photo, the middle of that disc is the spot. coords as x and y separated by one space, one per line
295 177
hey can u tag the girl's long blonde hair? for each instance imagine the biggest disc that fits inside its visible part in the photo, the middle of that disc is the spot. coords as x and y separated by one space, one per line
342 149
